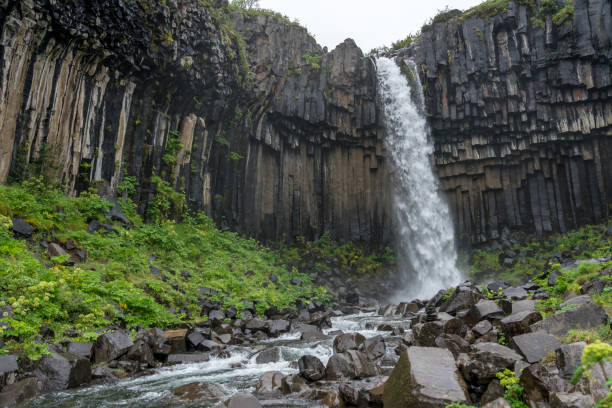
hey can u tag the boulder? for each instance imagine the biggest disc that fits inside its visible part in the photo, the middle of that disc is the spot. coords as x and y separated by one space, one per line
595 383
538 381
8 370
80 349
20 392
22 227
255 325
243 401
425 334
111 346
482 327
484 309
271 355
571 400
209 345
518 323
523 305
498 403
424 377
461 299
55 250
569 358
270 382
515 293
494 391
350 365
311 368
576 300
276 327
535 346
199 391
486 360
374 348
187 358
585 316
177 339
293 384
452 342
62 371
141 352
348 341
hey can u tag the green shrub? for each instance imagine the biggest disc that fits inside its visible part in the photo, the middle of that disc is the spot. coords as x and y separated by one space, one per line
514 393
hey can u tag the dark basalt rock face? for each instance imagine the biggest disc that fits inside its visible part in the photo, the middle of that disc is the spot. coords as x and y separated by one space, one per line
274 143
521 117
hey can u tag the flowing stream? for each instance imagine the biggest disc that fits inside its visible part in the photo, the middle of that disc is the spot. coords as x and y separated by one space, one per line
425 244
237 373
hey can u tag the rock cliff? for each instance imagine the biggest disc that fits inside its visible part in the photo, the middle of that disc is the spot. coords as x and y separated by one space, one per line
259 127
521 115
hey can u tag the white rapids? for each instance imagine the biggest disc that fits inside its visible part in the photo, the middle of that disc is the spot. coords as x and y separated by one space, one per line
425 243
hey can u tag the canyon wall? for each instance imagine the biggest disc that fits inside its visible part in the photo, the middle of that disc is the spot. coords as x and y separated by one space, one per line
260 128
521 116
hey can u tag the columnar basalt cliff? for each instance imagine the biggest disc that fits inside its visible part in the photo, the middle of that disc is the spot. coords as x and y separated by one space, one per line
521 115
277 136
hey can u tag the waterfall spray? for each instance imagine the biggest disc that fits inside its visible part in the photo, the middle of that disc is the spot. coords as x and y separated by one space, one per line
426 253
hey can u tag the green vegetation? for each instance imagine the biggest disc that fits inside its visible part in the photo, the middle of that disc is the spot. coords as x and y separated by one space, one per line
487 9
314 60
459 405
602 333
590 241
514 393
594 354
115 284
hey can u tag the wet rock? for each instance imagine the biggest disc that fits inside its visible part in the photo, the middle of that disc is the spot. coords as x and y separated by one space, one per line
387 310
348 341
80 349
270 382
177 339
585 316
104 373
141 352
8 370
62 371
406 309
187 358
535 346
271 355
571 400
112 345
294 384
332 399
486 360
277 327
311 368
20 392
243 401
425 334
255 325
519 323
569 358
424 377
350 365
209 345
199 391
374 348
22 227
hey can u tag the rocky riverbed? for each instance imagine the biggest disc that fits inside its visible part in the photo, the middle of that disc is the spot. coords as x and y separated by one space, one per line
418 354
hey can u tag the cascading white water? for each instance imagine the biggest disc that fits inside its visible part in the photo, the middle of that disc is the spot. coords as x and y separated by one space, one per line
426 253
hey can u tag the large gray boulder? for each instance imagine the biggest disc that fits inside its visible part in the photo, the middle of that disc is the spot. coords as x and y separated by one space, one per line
243 401
374 348
8 369
585 316
523 305
535 346
270 382
271 355
463 298
62 371
486 360
571 400
425 377
199 391
348 341
350 365
111 346
20 392
484 309
311 368
569 358
518 323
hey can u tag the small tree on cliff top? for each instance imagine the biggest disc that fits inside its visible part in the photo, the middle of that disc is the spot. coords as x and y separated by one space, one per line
245 4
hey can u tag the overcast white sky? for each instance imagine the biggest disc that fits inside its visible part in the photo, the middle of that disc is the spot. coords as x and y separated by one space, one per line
371 23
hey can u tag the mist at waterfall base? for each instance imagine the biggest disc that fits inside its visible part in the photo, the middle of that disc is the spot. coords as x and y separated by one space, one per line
425 247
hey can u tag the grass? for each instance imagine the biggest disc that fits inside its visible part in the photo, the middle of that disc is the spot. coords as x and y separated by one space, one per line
115 285
590 241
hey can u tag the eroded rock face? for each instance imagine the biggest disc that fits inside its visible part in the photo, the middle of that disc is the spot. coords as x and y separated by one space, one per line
521 118
424 378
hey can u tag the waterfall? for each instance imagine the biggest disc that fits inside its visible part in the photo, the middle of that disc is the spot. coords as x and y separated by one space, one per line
425 247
